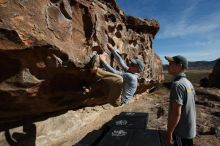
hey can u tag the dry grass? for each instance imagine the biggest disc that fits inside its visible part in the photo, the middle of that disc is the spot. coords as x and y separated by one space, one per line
193 75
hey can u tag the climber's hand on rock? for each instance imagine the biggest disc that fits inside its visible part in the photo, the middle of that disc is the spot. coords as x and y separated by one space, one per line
110 47
103 57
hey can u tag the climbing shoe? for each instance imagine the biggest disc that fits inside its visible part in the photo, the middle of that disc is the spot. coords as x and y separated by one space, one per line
92 62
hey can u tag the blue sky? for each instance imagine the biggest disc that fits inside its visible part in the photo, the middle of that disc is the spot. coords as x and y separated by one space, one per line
187 27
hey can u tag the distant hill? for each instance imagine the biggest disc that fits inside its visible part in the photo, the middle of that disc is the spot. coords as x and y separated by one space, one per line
198 65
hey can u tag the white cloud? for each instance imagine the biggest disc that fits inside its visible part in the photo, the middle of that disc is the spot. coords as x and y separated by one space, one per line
194 55
196 43
190 28
184 29
186 25
213 43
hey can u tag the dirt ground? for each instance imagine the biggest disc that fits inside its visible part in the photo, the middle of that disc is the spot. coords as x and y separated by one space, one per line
208 114
156 105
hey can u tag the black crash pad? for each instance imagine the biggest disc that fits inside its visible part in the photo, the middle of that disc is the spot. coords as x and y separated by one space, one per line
131 137
130 120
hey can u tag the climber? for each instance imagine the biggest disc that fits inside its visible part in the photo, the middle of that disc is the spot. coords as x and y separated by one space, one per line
122 85
128 77
181 127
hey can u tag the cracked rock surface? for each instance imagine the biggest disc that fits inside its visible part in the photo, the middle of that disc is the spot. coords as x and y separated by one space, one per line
45 45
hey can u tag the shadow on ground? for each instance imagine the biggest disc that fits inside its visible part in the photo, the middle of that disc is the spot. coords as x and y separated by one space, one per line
28 135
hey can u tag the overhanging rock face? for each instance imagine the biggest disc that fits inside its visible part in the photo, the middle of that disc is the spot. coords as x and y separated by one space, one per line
45 44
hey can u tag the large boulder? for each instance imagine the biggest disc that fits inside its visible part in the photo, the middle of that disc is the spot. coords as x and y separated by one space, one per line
214 77
45 45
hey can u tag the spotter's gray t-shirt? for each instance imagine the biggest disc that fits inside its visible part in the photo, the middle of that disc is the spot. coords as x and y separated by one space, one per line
183 93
